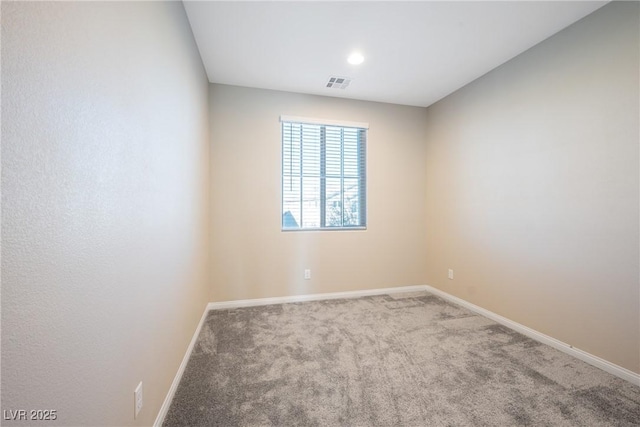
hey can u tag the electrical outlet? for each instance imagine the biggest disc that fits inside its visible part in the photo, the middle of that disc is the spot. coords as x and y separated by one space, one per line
307 274
450 274
137 397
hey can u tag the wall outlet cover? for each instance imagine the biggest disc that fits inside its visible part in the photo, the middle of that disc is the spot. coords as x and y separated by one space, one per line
137 397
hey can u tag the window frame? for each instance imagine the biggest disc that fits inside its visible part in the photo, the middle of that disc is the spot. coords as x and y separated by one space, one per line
330 123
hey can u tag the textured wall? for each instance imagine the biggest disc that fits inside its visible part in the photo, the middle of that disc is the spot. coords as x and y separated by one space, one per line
104 205
253 258
532 188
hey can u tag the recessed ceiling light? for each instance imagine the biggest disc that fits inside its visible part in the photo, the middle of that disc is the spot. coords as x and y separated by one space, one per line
355 58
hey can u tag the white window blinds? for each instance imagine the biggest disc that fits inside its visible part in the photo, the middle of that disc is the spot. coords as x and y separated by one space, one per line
323 175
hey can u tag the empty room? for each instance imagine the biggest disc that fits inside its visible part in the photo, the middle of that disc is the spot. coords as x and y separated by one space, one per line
308 213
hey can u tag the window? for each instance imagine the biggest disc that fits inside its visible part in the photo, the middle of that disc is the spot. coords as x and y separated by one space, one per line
323 174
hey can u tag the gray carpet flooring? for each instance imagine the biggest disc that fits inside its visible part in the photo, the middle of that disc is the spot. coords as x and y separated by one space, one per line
389 360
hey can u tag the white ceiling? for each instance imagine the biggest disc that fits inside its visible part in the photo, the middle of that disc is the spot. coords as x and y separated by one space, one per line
415 52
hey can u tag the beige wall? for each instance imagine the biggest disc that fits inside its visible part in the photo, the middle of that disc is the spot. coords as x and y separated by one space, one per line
253 258
104 206
532 188
527 186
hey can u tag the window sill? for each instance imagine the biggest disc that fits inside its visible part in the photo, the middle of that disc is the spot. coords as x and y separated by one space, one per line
287 230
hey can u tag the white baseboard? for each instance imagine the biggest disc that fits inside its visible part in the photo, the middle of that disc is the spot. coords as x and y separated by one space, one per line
311 297
589 358
176 380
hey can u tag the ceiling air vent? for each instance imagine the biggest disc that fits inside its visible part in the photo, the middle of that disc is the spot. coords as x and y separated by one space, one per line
338 82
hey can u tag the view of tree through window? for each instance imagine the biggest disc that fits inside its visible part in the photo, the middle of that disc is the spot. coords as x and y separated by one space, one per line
323 176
